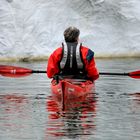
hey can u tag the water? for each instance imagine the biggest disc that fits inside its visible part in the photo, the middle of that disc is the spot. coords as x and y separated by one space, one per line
28 110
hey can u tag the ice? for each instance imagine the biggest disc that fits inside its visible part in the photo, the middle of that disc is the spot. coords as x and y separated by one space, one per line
34 28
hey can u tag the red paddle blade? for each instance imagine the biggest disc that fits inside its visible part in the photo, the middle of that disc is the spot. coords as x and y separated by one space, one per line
12 71
135 74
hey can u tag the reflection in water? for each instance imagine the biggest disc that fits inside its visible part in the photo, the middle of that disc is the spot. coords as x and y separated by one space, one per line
13 112
136 97
13 103
135 109
77 119
28 111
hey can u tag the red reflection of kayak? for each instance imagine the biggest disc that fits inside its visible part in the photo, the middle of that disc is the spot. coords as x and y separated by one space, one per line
72 101
68 92
13 103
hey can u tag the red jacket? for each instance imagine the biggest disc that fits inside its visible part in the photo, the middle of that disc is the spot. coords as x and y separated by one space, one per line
88 59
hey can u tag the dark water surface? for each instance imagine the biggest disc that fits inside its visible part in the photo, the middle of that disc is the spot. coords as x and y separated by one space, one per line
29 112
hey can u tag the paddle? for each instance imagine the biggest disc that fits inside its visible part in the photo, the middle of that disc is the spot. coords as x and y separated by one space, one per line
134 74
13 71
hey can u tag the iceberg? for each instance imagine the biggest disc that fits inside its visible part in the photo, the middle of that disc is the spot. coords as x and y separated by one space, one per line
33 29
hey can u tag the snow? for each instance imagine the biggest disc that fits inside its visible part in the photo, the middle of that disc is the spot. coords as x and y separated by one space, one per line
34 28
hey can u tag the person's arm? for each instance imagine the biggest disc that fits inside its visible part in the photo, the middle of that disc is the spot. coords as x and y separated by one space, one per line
90 65
92 71
53 63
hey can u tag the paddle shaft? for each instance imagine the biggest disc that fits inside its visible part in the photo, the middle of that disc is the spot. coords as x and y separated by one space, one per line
108 73
38 71
101 73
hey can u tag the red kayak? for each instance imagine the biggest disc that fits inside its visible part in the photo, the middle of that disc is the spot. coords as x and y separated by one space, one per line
68 91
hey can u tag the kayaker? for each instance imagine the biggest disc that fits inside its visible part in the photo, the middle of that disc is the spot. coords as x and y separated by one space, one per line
72 58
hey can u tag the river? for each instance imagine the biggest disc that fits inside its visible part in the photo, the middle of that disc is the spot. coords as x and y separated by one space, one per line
28 110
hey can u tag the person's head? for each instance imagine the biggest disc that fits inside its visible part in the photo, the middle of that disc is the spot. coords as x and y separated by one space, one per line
71 34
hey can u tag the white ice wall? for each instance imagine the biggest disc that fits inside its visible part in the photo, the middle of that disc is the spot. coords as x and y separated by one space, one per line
34 28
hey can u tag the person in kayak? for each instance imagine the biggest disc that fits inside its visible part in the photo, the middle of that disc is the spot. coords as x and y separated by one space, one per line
72 58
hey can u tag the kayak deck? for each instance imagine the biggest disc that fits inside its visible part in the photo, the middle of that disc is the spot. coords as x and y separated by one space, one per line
71 90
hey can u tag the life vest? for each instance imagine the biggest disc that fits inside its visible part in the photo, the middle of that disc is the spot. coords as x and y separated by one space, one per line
71 62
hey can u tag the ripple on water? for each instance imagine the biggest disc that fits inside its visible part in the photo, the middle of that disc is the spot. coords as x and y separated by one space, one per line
29 111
